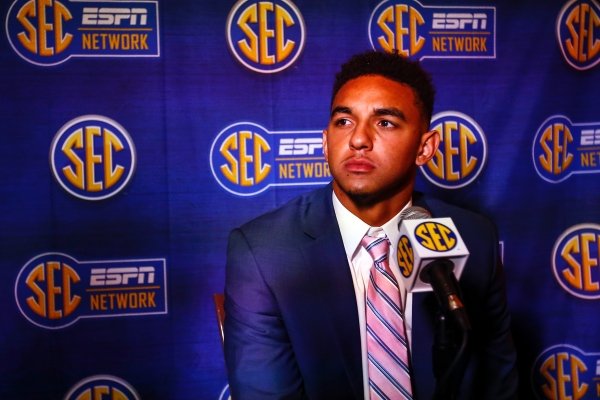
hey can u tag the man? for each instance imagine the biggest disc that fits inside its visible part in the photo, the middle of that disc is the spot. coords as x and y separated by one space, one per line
296 281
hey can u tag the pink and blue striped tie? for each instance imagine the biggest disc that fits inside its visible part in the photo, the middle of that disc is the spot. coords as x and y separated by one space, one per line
387 347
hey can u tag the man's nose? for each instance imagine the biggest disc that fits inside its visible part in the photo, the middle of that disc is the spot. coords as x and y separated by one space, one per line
361 137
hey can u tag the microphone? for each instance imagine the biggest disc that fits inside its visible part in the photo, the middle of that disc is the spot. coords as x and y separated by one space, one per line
431 256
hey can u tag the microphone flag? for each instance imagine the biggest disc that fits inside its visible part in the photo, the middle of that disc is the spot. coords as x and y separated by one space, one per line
423 241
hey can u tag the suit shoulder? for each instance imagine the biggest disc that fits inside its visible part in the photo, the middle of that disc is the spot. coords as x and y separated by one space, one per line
464 219
441 208
290 216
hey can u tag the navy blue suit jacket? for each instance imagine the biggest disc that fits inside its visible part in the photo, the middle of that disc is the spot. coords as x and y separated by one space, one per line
291 325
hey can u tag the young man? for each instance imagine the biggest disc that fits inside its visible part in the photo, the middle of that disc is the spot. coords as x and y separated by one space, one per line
297 278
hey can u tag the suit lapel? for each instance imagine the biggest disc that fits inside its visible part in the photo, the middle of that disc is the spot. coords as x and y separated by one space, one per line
326 258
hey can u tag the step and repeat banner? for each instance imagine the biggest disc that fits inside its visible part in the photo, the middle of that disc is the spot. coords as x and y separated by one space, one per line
136 134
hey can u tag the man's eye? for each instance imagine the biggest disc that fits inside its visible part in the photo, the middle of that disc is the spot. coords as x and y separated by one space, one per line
342 122
387 124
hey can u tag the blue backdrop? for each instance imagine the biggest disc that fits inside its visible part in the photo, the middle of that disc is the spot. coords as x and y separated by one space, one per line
137 134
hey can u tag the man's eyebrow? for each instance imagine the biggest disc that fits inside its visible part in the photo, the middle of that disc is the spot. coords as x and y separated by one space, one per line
394 112
340 110
380 112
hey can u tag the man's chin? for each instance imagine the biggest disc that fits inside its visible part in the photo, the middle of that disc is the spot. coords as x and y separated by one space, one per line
361 196
365 195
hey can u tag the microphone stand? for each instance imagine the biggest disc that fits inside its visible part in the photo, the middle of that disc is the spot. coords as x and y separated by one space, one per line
443 353
446 356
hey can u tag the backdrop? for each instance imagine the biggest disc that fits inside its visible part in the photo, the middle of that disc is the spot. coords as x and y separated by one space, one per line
137 134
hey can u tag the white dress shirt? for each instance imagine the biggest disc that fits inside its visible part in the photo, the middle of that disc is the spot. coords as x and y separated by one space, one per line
353 229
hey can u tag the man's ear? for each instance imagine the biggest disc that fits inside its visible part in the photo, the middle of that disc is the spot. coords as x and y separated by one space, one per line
430 141
325 151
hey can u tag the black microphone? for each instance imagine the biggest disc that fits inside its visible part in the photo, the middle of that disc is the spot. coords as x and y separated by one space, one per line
430 255
440 275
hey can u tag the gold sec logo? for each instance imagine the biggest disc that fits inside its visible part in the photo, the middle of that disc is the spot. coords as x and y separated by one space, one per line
576 261
266 36
435 236
565 372
92 157
578 33
39 30
101 387
405 256
462 153
395 26
241 159
49 290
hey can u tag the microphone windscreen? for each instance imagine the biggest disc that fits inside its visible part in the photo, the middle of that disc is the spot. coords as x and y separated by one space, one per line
415 212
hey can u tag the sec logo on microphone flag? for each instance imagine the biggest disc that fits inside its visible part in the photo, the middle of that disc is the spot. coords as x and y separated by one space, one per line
423 241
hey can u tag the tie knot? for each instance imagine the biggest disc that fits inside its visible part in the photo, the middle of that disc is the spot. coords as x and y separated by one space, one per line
377 247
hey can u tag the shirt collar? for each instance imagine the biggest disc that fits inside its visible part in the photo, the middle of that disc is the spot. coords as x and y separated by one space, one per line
353 229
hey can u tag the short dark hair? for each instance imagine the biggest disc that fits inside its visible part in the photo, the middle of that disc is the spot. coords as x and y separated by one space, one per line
392 66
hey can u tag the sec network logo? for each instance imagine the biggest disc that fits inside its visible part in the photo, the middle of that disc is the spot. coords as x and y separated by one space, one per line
246 159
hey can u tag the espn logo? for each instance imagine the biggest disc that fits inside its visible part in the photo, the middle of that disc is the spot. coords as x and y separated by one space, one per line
122 276
300 147
462 21
114 16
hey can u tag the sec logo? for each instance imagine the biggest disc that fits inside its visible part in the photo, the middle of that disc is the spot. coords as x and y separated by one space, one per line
462 153
265 36
92 157
102 387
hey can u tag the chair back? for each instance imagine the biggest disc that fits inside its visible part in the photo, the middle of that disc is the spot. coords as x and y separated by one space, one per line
219 300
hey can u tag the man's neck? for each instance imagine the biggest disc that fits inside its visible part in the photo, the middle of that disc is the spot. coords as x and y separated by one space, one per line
374 212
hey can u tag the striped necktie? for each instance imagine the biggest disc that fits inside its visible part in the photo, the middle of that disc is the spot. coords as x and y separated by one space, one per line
387 348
